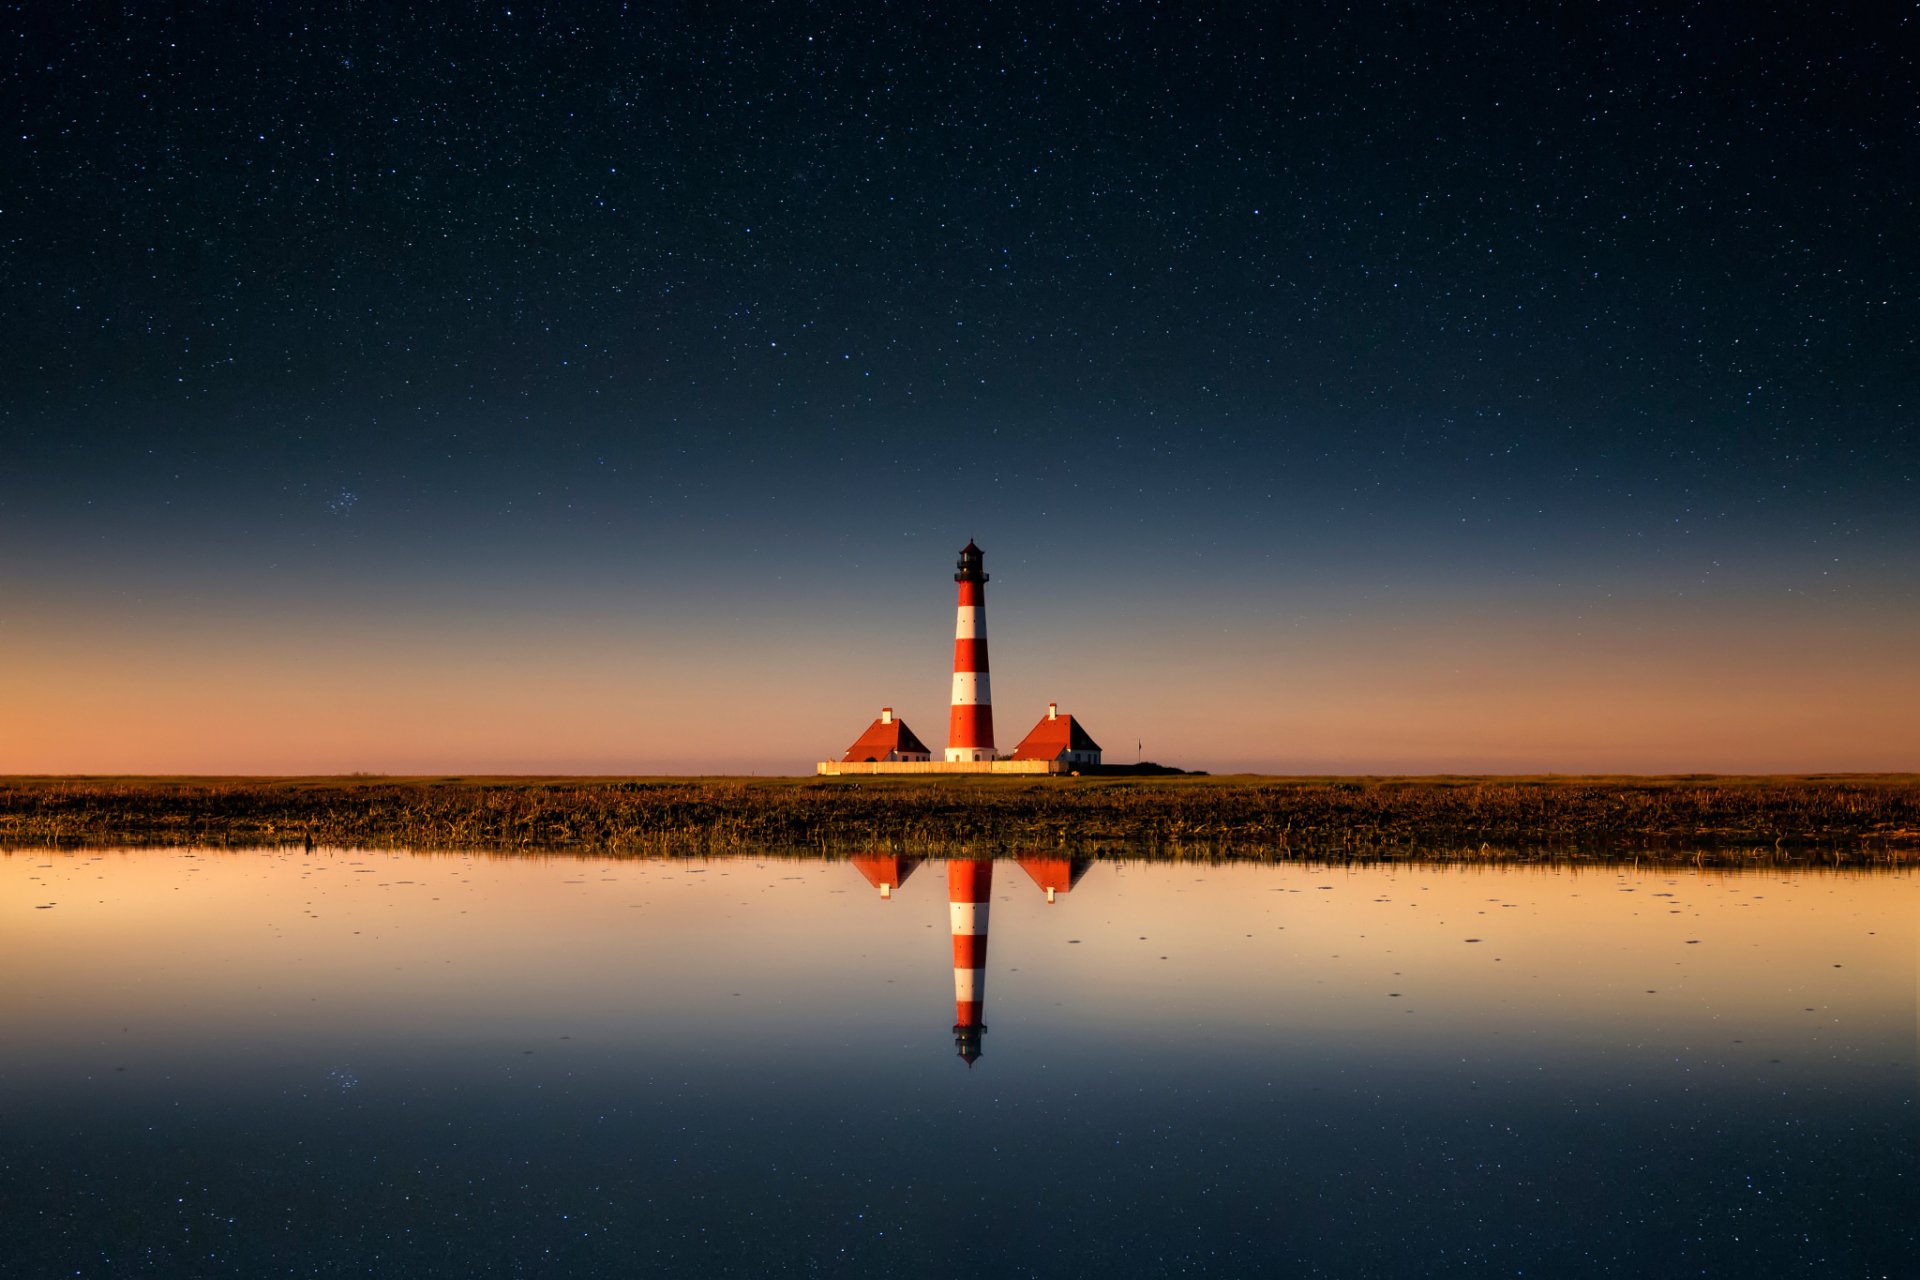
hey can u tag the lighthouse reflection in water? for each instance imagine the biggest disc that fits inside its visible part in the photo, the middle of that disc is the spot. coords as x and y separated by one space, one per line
969 903
277 1062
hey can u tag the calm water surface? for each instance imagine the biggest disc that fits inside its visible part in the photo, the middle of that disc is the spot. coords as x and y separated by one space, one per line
354 1063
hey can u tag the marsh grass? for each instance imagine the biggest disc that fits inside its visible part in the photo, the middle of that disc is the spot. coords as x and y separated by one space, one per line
1706 820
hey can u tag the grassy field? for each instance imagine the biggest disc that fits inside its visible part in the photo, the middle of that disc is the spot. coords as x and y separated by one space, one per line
1718 820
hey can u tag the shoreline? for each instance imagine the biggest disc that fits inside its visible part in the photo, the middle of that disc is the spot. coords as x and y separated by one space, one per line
1692 819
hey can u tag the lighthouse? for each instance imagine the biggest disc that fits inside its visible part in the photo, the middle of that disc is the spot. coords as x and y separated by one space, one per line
970 731
969 888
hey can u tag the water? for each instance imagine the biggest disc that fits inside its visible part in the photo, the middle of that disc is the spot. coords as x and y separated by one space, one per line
320 1064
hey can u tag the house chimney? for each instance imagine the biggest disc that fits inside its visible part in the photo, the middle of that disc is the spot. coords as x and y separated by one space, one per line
1053 711
886 715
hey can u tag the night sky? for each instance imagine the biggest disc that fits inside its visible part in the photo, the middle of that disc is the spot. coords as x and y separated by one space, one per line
607 388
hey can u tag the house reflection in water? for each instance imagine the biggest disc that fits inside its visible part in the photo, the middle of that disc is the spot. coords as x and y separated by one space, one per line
885 871
1055 875
969 897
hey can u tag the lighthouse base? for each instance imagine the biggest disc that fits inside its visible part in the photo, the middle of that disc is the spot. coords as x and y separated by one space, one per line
970 755
836 768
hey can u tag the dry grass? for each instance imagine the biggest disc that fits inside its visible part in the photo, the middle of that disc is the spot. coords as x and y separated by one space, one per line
1839 819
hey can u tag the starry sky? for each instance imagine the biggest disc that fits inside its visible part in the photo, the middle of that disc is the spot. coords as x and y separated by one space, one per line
608 388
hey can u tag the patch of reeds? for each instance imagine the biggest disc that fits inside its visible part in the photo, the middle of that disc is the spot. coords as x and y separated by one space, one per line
1711 821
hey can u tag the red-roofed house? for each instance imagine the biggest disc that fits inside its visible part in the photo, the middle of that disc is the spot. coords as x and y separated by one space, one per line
887 739
1058 737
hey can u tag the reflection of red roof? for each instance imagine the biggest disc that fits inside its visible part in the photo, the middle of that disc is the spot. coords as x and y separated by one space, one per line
881 737
1052 736
1053 874
884 869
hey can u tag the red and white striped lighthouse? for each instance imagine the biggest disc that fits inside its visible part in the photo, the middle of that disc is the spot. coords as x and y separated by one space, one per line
970 731
969 889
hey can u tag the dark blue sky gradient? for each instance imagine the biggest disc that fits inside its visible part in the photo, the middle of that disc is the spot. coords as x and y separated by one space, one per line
713 320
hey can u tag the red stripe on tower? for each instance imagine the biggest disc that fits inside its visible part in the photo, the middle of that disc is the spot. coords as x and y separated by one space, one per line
969 889
970 731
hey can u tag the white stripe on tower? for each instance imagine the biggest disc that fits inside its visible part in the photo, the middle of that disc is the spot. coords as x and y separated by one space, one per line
969 892
970 728
972 687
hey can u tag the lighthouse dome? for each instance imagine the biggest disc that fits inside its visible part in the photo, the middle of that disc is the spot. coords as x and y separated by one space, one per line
972 566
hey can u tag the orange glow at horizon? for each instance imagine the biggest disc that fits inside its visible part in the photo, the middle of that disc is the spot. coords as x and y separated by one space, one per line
1494 687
